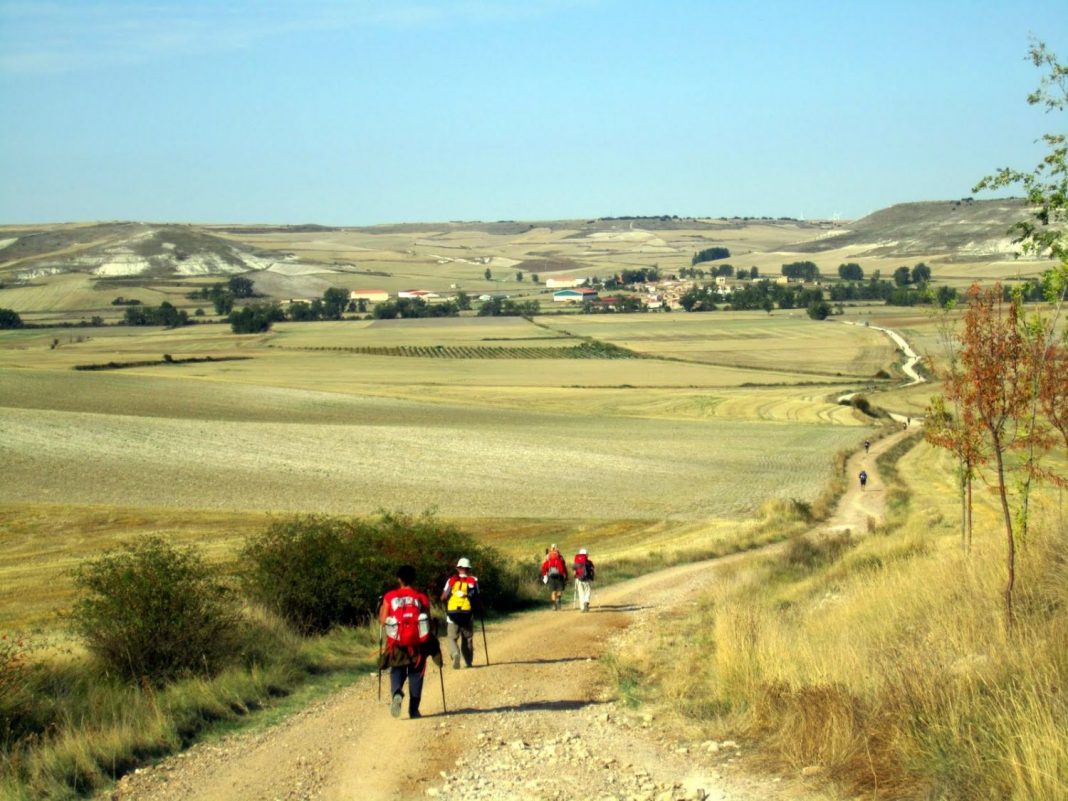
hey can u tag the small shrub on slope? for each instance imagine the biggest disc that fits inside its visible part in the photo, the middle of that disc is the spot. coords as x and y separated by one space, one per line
152 611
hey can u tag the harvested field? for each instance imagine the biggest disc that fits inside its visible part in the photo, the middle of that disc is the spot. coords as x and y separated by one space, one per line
460 461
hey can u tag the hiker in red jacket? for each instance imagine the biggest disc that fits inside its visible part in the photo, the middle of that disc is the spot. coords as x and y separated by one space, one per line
405 615
554 574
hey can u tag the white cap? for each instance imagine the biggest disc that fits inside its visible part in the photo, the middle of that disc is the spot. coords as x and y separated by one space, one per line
582 551
464 562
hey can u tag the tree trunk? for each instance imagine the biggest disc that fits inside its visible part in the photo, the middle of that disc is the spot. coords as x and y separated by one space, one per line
963 509
969 512
1010 540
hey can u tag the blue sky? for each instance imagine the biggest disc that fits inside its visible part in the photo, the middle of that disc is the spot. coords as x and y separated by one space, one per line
357 113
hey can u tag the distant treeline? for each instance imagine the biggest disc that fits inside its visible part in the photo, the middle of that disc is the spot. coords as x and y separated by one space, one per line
710 254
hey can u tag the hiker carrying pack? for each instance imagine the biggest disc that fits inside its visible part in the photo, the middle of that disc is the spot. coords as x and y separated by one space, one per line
461 598
584 573
405 618
554 574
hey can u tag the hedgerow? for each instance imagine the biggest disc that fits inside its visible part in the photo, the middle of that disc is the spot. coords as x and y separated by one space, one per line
317 572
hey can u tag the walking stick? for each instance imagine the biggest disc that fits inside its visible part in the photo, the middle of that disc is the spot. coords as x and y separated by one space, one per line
482 620
441 676
381 632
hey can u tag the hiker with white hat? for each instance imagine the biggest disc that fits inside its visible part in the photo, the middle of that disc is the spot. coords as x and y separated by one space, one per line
583 568
461 598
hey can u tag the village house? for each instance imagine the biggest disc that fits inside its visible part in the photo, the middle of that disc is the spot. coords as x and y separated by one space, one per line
580 295
373 295
421 294
563 281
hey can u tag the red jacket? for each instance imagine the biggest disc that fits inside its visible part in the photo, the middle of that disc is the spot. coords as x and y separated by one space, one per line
554 559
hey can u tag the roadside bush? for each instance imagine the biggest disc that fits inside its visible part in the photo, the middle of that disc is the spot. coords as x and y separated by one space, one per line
16 710
152 611
317 572
808 554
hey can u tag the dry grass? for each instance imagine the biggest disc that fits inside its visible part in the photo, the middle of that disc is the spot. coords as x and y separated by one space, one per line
885 661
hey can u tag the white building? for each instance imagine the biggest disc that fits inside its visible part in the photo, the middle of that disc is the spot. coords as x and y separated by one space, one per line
563 281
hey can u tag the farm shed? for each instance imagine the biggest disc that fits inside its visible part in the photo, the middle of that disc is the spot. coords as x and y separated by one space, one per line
374 295
574 295
564 281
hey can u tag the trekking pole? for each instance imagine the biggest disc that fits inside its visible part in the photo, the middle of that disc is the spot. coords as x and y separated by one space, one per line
441 676
379 663
381 632
482 620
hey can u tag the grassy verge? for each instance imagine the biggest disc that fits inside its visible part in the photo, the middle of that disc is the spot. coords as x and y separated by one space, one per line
882 664
96 728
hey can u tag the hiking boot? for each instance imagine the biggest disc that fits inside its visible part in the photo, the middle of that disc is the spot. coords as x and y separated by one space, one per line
455 661
585 607
414 715
395 706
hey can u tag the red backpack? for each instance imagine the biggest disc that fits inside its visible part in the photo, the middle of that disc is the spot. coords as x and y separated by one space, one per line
407 620
583 568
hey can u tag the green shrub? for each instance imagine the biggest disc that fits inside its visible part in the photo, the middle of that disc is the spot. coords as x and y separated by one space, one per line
16 709
317 572
152 611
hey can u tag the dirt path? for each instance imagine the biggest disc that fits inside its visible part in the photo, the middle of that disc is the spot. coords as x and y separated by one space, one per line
525 727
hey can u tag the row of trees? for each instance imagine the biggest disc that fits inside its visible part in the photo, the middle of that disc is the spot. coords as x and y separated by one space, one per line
710 254
801 271
759 295
726 270
409 308
223 295
166 314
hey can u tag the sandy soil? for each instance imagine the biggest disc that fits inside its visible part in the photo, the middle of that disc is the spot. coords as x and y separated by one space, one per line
521 727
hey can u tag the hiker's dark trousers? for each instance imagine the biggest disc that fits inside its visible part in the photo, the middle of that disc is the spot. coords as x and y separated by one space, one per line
414 675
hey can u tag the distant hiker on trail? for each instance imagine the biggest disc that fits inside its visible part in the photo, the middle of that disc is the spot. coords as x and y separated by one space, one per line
554 574
405 614
863 478
461 597
584 570
867 445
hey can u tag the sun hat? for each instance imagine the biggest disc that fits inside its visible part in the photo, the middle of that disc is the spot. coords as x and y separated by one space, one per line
553 547
464 562
582 551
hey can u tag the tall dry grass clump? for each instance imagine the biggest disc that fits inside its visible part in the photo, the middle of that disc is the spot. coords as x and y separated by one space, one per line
886 663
